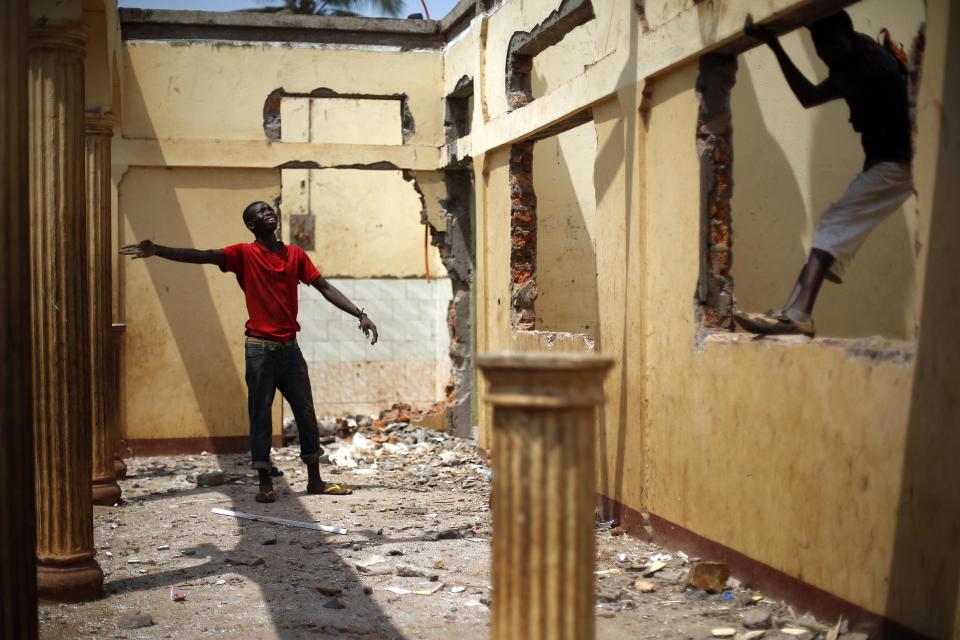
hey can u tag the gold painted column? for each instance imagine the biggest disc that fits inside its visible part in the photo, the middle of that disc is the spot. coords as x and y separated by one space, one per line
544 411
66 569
99 133
18 581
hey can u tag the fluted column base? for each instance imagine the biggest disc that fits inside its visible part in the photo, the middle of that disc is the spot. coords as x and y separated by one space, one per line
75 581
119 468
106 491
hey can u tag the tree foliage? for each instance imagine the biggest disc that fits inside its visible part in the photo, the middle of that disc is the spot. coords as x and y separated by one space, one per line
391 8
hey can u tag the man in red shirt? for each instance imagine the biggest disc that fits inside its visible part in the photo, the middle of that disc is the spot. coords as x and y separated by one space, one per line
269 271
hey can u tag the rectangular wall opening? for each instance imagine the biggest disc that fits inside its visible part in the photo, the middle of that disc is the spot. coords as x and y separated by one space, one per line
341 120
553 261
791 165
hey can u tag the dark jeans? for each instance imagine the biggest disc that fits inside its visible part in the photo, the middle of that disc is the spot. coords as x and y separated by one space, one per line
271 366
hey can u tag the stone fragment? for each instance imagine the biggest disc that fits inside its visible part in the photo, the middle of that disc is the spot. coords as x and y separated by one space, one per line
644 586
327 590
137 621
211 478
607 594
723 632
450 459
757 618
412 571
334 603
709 576
670 575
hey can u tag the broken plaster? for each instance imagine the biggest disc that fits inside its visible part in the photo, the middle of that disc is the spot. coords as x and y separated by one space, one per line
524 45
718 74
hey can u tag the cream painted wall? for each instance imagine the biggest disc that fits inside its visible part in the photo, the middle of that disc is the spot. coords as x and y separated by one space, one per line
183 367
226 101
565 60
789 165
367 223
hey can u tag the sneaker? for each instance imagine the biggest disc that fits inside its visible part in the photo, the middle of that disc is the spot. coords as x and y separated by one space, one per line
775 323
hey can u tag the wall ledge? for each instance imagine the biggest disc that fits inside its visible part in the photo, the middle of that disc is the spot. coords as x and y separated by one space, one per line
876 349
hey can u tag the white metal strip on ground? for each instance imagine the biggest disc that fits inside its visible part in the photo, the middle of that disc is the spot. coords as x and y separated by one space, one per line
289 523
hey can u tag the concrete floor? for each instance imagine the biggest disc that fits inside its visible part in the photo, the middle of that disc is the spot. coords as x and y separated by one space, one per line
247 579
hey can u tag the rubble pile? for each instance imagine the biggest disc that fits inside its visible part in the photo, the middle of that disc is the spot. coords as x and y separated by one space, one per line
399 439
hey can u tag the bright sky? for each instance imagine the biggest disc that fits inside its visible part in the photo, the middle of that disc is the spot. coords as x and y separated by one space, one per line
438 8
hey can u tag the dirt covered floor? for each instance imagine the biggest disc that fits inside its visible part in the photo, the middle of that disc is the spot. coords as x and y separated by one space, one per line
413 563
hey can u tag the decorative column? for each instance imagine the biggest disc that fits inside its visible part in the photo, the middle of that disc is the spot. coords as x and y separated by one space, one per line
113 409
544 410
99 133
66 569
18 578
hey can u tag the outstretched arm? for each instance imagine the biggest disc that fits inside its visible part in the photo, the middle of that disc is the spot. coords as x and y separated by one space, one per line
146 248
337 299
809 94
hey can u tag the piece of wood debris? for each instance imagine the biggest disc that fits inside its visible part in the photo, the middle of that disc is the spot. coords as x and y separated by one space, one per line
281 521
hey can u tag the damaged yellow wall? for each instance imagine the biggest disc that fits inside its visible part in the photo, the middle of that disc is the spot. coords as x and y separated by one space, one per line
193 152
183 349
801 455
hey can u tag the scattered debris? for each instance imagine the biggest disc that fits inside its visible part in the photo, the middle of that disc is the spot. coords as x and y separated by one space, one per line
176 595
653 567
411 571
644 586
756 619
211 478
328 591
429 591
280 521
138 621
724 632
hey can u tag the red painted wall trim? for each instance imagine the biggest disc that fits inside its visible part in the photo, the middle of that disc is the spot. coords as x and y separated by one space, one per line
185 446
762 577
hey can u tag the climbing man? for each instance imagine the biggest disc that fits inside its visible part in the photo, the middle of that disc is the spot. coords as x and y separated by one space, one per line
872 79
268 271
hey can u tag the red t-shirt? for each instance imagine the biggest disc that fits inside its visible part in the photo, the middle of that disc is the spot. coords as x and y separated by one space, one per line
269 281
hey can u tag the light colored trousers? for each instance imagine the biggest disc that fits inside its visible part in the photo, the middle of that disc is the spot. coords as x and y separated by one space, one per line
871 197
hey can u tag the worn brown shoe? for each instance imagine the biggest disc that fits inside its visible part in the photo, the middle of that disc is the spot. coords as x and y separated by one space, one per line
775 323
